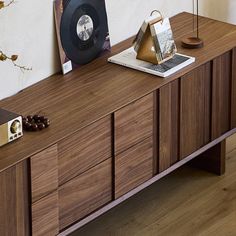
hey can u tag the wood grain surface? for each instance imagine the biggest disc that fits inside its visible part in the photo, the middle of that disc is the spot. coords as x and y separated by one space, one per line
221 95
85 194
85 149
14 201
77 102
195 110
44 173
156 118
157 177
187 202
133 167
168 125
233 94
84 96
134 123
45 217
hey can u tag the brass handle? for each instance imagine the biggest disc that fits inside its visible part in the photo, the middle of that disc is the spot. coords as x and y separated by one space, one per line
158 12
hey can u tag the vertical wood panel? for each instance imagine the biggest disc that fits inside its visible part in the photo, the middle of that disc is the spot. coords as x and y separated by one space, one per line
45 219
221 95
84 150
156 133
133 123
85 193
195 110
168 125
44 173
233 98
133 167
14 202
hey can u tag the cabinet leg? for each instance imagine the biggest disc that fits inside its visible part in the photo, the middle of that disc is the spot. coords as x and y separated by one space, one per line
213 160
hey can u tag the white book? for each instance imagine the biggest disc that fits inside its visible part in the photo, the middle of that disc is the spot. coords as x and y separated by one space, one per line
127 58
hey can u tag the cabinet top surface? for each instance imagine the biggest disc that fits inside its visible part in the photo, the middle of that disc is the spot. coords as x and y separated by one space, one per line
95 90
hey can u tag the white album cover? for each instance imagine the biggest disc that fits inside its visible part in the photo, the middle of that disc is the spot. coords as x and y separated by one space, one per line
127 58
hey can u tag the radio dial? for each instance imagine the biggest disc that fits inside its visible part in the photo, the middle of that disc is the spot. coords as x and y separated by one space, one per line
15 127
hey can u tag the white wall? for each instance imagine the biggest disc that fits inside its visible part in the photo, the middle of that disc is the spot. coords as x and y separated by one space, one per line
223 10
27 28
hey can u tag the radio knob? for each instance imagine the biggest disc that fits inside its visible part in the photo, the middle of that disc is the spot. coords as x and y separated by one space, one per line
15 126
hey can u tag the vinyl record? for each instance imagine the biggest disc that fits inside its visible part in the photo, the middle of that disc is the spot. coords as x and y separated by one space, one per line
83 29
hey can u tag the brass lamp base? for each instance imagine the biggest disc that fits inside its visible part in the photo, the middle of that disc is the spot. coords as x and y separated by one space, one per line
192 42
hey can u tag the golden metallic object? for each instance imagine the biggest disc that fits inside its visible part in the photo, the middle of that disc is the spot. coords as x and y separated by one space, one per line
15 126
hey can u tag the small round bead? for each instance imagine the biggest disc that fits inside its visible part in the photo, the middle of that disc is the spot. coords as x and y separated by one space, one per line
36 117
27 126
34 127
46 122
41 118
30 118
41 126
24 119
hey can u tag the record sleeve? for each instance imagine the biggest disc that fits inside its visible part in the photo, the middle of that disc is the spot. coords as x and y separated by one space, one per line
82 31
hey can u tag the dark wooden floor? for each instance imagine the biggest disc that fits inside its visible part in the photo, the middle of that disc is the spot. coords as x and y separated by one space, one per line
188 202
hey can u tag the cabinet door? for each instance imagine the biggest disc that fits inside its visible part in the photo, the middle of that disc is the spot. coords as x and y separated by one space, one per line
133 167
84 150
133 123
85 193
233 97
195 110
168 125
44 173
44 186
45 216
221 83
14 202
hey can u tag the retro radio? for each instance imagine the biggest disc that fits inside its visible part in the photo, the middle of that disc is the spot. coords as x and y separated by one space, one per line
10 126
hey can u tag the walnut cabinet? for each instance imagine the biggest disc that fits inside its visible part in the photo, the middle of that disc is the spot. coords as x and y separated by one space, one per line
123 142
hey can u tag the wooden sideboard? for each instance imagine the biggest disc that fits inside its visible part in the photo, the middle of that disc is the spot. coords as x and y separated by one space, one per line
116 131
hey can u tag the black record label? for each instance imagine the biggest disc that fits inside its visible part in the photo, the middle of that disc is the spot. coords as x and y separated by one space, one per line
83 29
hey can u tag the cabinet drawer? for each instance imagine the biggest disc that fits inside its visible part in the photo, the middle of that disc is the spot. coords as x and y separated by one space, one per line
133 167
84 150
133 123
44 173
45 216
85 193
